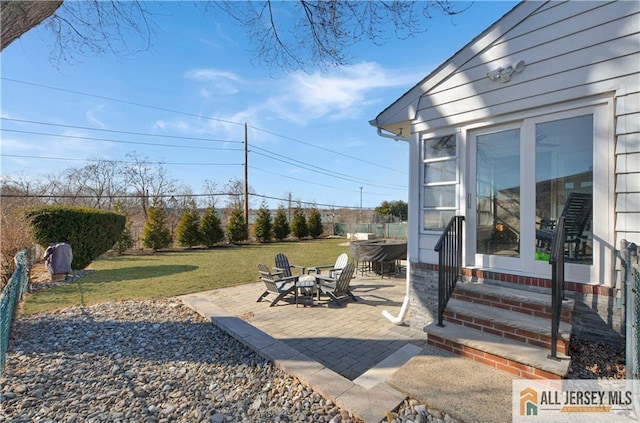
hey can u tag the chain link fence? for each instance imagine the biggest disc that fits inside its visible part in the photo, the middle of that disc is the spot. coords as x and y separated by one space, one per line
631 269
380 230
9 298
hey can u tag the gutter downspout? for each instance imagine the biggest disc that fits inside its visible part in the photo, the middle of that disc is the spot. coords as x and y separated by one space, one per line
405 303
398 320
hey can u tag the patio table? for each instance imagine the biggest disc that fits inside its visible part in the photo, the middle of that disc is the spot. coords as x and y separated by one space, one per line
307 284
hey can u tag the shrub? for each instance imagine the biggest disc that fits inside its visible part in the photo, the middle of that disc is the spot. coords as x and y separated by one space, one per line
188 230
211 228
280 225
314 225
263 226
126 240
155 234
90 232
299 223
14 234
237 230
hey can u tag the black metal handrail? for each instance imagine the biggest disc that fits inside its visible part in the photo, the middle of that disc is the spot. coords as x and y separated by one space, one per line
449 248
556 260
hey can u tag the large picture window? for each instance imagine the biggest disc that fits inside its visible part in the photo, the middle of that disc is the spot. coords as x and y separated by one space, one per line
440 181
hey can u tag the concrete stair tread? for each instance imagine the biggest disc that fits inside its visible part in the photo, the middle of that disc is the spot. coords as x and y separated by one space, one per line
508 318
527 354
513 294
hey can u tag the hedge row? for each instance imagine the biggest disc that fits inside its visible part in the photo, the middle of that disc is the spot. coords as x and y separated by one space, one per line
90 232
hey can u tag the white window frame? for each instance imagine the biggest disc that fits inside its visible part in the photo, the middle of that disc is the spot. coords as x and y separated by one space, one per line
425 185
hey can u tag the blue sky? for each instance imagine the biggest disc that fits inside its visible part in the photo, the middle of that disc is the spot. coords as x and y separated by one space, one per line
308 131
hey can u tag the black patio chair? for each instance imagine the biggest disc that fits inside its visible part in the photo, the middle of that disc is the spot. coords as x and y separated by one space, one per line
577 213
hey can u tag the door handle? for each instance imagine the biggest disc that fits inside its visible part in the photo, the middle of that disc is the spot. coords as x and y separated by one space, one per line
469 201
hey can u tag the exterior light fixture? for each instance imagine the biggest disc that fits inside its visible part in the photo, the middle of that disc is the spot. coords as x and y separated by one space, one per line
504 74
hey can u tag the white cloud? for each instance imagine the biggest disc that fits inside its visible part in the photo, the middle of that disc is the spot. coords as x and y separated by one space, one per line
211 75
218 82
91 117
339 95
299 98
160 124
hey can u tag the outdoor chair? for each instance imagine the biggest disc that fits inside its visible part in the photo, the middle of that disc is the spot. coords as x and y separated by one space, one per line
280 286
576 213
283 267
333 269
337 288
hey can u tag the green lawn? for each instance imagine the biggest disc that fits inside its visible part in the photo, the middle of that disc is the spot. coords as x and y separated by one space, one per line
176 273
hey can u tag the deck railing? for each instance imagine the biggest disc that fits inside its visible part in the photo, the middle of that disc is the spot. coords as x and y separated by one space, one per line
556 260
449 248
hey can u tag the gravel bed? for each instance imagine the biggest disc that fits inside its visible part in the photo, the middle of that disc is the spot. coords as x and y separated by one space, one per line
153 361
159 361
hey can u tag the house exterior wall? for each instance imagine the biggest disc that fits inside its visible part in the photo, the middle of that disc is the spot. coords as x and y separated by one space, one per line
573 51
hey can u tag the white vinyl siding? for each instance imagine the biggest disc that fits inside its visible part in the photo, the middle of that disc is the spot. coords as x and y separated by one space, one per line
566 58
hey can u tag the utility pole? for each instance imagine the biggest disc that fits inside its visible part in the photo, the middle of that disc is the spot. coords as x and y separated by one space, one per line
246 178
360 204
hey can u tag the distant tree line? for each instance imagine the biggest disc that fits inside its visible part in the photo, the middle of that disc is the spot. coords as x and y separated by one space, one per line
167 211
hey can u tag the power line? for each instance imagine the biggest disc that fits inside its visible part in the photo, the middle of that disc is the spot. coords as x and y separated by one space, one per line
72 159
200 117
309 182
267 154
333 206
294 178
326 149
171 196
79 137
326 172
133 103
120 132
313 169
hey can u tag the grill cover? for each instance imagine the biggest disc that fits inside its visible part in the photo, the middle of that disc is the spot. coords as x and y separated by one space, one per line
58 257
378 250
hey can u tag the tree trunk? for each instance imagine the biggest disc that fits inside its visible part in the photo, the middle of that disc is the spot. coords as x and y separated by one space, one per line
19 17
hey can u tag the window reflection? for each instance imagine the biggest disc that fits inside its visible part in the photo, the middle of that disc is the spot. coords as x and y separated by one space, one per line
498 193
564 165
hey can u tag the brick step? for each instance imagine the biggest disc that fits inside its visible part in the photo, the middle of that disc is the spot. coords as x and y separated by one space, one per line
522 301
508 324
522 360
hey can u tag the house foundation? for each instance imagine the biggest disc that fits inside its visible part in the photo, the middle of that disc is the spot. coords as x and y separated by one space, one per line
596 314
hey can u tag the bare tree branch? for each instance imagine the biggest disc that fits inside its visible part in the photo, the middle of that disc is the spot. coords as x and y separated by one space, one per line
322 32
288 35
17 17
96 26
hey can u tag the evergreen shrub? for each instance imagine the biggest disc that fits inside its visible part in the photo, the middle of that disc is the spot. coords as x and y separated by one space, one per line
90 232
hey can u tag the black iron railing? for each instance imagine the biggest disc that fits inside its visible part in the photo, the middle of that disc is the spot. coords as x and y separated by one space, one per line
556 260
449 248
